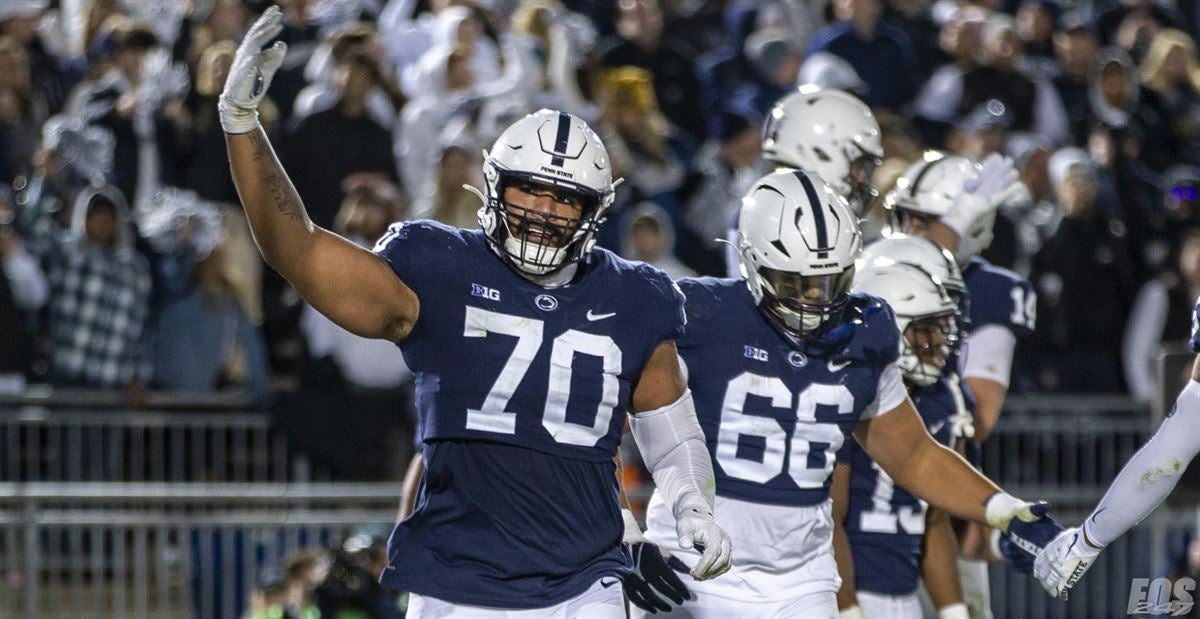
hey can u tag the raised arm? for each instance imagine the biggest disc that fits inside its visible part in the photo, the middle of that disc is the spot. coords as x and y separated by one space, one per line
352 286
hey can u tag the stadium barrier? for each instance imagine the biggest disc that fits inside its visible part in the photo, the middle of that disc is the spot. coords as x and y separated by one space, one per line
80 435
165 549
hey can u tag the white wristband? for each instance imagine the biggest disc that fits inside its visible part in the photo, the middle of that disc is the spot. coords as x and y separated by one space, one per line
633 530
853 612
958 610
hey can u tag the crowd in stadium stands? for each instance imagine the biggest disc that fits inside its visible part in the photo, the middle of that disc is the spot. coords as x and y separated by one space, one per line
128 265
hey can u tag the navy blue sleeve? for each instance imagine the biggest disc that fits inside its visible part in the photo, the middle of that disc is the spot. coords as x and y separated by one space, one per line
413 249
671 302
880 335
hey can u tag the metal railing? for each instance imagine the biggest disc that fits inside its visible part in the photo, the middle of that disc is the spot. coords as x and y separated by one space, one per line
164 550
1070 446
43 444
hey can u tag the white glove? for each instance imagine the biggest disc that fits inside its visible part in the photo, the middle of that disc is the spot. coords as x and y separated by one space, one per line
1003 507
697 528
996 183
1064 561
250 74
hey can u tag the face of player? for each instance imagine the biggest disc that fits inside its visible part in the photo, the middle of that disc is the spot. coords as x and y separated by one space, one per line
800 303
862 170
932 339
543 214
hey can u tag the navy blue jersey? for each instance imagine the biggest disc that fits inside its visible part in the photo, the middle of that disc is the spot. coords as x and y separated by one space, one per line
884 522
999 297
521 396
775 413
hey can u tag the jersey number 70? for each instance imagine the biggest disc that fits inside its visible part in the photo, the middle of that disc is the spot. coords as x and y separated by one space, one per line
492 415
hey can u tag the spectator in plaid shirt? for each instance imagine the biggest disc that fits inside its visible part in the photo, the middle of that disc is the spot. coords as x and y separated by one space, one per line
99 290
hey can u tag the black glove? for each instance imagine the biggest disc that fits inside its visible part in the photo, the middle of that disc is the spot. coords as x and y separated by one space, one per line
652 582
1025 540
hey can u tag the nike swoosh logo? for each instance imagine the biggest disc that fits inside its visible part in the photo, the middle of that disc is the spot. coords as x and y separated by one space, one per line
594 317
837 367
608 583
938 426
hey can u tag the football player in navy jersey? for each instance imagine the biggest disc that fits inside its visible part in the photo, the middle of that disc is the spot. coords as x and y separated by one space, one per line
528 346
1001 311
784 364
1147 479
893 539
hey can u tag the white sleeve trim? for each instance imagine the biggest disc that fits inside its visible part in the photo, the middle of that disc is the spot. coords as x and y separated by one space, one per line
889 394
989 354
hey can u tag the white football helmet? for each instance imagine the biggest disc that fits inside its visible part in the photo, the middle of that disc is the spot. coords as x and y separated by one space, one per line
798 240
920 252
925 314
928 190
830 132
559 152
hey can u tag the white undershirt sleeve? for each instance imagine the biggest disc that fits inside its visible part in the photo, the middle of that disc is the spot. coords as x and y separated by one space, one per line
888 395
989 354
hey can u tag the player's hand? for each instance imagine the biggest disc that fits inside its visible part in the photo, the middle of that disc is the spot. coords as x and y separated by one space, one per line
700 530
653 585
1064 561
250 74
996 183
1024 542
1002 508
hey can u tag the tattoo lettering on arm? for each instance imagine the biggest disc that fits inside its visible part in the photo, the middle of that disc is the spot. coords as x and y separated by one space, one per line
282 196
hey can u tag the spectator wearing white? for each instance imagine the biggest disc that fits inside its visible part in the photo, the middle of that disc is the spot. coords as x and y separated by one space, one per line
450 87
407 37
23 292
383 101
1160 316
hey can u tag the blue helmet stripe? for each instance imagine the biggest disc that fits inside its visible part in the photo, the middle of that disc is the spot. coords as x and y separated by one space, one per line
560 141
818 209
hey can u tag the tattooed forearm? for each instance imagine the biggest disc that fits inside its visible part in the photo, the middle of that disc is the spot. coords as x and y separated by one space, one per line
282 195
